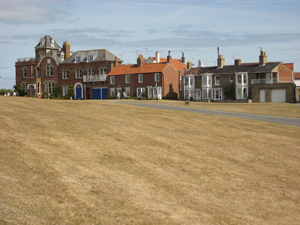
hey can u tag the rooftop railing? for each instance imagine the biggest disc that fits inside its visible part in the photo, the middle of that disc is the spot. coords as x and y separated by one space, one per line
271 81
93 78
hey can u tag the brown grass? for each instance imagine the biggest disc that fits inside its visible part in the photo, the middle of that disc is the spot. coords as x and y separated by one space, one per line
272 109
95 162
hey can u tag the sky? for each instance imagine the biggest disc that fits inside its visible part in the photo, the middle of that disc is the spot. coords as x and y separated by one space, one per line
127 28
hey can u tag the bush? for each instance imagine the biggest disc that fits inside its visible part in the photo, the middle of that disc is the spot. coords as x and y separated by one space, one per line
70 93
20 90
110 97
5 91
57 89
144 95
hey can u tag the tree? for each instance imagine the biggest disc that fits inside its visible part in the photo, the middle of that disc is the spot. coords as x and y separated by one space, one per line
57 90
70 91
20 90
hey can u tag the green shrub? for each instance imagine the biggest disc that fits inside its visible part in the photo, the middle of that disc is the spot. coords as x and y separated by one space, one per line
5 91
110 97
20 90
144 95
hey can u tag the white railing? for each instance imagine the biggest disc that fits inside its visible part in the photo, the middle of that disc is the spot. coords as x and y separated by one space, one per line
264 81
97 77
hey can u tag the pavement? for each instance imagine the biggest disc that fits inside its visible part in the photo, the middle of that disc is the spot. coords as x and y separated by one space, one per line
272 119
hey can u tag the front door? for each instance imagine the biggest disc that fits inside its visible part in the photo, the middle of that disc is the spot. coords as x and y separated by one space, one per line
78 93
262 95
32 92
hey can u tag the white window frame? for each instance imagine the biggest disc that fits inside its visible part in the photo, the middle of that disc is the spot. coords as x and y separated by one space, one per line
206 80
241 79
39 87
24 72
102 71
37 69
90 72
90 58
217 80
127 90
65 90
217 94
78 59
65 74
49 71
112 92
141 91
112 80
150 90
127 79
206 93
243 94
156 77
78 73
141 79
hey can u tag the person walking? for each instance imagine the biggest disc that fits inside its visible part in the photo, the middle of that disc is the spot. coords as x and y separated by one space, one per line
124 94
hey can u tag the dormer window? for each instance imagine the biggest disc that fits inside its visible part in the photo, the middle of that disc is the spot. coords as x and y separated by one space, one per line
52 42
90 58
78 59
42 41
62 56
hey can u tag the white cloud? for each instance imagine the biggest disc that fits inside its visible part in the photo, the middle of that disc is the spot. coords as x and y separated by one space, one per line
31 11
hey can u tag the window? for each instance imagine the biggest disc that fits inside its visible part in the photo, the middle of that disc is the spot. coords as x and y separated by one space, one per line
39 87
49 71
112 92
24 87
90 58
206 93
77 59
242 93
52 42
127 90
242 79
102 71
90 72
156 77
140 78
24 72
140 91
49 86
217 80
127 79
64 90
112 80
65 74
62 56
217 94
78 74
206 80
37 72
231 78
189 80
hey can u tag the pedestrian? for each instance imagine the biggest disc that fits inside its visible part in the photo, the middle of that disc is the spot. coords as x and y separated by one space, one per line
5 94
119 93
49 95
191 96
124 94
14 94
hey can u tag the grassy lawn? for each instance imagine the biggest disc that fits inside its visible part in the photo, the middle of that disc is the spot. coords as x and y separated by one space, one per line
272 109
95 162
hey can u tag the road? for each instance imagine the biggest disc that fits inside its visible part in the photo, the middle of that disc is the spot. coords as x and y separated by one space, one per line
272 119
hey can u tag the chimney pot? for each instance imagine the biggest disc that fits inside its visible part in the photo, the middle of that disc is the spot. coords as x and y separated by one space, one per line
238 62
221 61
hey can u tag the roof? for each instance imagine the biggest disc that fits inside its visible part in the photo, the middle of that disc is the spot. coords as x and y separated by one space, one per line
133 69
297 75
230 69
47 43
175 62
103 55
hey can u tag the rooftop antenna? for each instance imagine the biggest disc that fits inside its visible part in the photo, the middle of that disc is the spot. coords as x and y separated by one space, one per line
218 49
146 52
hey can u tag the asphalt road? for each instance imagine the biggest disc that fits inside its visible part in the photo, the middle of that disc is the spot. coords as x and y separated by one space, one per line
272 119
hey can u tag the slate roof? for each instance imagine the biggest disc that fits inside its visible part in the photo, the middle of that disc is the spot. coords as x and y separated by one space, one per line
103 55
231 69
47 43
133 69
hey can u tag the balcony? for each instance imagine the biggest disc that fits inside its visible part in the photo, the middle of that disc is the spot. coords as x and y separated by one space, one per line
264 81
95 78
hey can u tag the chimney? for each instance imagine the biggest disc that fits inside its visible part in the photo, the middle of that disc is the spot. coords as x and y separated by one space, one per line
183 58
116 61
157 57
169 58
221 61
263 59
140 60
200 64
66 49
189 65
238 62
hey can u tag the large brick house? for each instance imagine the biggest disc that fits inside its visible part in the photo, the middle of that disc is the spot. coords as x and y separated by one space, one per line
86 70
156 77
263 81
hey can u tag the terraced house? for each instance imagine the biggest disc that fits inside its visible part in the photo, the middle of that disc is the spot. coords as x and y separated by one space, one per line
86 70
262 81
157 77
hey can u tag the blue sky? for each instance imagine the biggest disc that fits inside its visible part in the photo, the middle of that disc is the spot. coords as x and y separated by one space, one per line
127 28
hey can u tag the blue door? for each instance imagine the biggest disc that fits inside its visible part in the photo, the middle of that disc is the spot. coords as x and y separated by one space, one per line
78 93
96 93
104 93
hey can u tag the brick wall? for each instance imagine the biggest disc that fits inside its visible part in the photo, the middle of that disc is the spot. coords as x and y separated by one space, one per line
290 93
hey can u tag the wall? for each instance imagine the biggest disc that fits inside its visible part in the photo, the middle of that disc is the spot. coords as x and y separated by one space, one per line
290 93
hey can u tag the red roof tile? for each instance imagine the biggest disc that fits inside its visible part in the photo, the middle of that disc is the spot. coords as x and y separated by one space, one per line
297 75
175 62
133 69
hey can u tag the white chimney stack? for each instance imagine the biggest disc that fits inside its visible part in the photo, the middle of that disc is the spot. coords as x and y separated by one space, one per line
157 57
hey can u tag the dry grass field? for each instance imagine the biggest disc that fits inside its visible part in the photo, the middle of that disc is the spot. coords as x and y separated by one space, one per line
96 162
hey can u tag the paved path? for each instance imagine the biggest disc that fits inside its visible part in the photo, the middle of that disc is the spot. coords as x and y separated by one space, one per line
273 119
